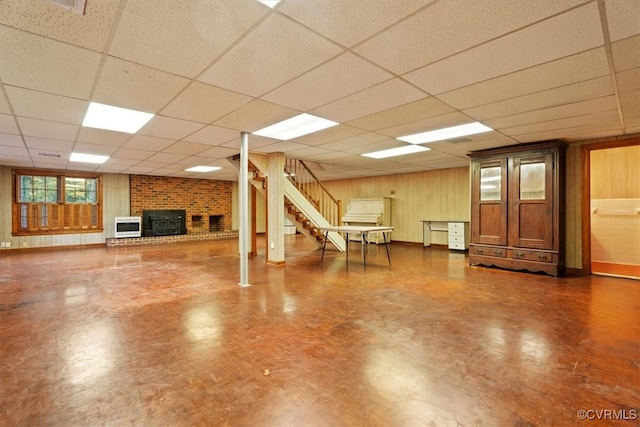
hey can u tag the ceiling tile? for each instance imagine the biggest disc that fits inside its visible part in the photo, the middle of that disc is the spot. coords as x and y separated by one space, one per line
11 140
45 163
573 69
427 124
212 135
168 127
591 106
255 115
45 129
449 27
128 85
99 150
149 143
576 92
13 151
48 144
166 157
8 124
383 96
623 18
589 131
90 30
280 147
333 133
38 63
336 20
333 80
411 112
40 105
626 54
505 55
4 104
218 153
101 136
189 148
181 37
128 156
363 138
628 80
277 51
609 116
204 103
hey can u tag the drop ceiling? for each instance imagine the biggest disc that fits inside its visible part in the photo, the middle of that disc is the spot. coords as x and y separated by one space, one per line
209 70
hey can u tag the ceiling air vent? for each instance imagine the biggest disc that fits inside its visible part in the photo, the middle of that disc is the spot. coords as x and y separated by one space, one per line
57 156
76 6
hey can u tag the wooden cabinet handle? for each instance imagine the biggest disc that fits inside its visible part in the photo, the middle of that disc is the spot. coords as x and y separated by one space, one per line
479 251
497 252
542 257
520 255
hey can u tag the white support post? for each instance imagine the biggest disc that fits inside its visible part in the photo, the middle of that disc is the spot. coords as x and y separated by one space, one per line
244 209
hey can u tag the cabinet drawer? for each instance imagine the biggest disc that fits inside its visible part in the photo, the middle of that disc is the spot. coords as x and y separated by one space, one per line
456 238
532 255
457 245
456 227
488 251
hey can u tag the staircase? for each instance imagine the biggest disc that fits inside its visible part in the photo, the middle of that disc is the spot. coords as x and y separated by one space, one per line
307 203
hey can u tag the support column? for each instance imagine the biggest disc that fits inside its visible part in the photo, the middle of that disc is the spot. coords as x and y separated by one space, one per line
275 208
243 234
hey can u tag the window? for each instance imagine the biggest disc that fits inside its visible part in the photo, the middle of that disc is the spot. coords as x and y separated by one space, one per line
46 202
80 190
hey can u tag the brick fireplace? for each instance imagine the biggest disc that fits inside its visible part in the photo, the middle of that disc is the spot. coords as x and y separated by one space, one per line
207 203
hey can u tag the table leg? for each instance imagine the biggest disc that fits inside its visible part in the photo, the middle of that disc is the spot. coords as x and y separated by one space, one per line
326 237
363 238
347 250
384 236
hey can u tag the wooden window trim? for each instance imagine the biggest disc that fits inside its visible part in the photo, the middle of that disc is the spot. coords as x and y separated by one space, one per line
62 217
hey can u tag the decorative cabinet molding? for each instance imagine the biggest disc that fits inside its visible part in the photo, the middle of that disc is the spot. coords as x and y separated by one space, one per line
517 207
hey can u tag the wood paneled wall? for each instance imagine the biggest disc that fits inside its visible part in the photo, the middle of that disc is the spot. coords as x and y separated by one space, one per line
442 195
615 173
115 203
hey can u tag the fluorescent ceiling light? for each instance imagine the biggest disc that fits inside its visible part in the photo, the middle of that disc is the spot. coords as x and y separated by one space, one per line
87 158
399 151
294 127
203 169
108 117
446 133
270 3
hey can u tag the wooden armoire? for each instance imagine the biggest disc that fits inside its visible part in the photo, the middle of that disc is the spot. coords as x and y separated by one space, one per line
517 207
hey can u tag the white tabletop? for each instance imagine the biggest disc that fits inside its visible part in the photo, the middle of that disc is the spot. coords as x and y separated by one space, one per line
356 228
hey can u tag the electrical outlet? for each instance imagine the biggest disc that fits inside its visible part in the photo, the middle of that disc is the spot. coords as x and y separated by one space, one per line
8 244
3 244
273 245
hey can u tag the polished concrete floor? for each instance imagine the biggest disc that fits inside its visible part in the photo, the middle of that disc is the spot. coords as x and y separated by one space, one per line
164 336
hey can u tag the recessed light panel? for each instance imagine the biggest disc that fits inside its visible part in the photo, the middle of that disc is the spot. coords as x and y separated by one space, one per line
203 169
87 158
294 127
270 3
399 151
108 117
446 133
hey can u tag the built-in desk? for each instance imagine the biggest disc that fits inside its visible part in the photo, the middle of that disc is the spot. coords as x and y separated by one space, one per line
457 233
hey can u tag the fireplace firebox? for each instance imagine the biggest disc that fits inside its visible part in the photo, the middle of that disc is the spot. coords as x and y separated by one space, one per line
165 222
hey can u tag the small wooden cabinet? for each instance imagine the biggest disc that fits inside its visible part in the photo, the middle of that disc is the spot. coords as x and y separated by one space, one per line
517 207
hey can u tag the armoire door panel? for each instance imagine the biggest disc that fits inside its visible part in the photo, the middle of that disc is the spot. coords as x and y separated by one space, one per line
490 224
532 202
